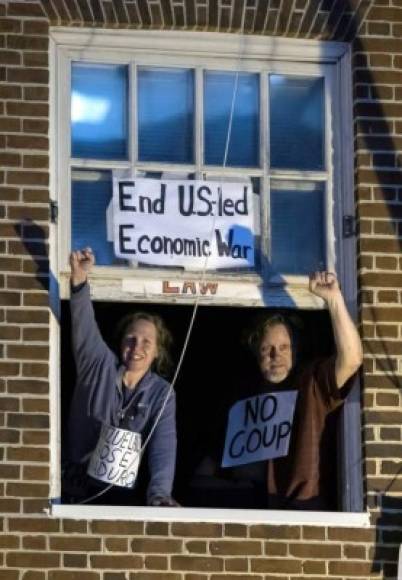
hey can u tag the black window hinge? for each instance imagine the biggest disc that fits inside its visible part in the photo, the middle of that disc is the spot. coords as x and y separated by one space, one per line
54 211
349 226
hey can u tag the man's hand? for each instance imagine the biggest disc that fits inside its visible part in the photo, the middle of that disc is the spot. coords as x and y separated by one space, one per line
81 262
349 354
325 285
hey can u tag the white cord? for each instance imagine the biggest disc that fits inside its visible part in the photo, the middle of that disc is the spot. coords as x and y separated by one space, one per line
203 273
202 278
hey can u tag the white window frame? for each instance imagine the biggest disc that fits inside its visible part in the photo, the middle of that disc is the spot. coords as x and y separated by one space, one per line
212 50
215 52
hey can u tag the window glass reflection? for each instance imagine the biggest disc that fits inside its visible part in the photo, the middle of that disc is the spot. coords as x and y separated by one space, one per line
220 88
297 227
296 110
165 115
99 125
90 215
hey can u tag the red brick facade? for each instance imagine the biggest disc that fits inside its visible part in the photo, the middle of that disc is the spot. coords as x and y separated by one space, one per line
36 547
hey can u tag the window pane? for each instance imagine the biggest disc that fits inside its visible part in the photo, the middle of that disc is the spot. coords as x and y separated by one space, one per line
99 111
254 184
297 227
219 90
91 195
296 122
165 115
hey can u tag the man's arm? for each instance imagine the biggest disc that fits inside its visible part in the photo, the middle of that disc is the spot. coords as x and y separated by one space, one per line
349 352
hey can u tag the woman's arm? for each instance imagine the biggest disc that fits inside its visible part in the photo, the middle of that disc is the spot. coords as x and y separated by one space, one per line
162 454
92 356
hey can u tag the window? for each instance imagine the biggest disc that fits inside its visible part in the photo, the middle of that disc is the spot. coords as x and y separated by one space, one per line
265 113
210 112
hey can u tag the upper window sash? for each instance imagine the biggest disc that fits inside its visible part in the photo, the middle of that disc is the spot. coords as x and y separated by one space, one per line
294 141
251 61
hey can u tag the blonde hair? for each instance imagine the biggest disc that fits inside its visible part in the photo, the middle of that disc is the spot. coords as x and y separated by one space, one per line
162 363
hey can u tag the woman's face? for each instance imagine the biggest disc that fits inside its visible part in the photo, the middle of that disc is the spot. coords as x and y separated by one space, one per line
140 346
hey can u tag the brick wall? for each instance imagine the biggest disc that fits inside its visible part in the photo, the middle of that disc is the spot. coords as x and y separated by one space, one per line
24 213
377 87
34 547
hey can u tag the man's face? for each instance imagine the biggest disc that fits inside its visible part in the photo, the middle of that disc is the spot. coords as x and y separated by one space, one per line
139 346
276 356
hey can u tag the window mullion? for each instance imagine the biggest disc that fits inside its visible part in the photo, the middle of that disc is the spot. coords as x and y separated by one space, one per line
64 156
299 175
156 167
133 116
98 163
265 186
331 215
199 122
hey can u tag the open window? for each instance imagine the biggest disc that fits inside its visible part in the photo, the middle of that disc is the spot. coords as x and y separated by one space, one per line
218 371
270 117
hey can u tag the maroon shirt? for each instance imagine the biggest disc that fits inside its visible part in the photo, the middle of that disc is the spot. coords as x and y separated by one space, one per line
301 479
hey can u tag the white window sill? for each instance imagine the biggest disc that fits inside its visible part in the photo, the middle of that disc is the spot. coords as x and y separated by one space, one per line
272 517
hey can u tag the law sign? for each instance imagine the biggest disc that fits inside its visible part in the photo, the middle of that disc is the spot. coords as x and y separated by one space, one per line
195 224
259 428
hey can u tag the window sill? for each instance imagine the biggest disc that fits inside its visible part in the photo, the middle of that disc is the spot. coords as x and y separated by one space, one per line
271 517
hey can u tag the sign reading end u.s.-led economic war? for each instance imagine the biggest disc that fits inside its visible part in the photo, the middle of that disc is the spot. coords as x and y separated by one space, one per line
259 428
194 224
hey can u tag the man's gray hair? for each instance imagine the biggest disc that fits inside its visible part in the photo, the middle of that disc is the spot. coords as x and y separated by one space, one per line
256 336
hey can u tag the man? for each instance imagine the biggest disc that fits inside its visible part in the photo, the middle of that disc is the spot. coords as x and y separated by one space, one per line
300 479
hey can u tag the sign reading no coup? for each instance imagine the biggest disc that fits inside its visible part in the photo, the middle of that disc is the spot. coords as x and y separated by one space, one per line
259 428
195 224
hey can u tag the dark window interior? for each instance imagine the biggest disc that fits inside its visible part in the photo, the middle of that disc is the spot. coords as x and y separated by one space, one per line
218 370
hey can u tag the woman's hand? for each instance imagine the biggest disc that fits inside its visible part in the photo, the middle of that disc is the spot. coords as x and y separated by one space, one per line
164 502
81 262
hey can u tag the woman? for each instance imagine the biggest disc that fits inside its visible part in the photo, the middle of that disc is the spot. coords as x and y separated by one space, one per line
120 395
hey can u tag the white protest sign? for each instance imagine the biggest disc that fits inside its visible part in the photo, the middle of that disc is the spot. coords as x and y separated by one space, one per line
115 459
259 428
195 224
